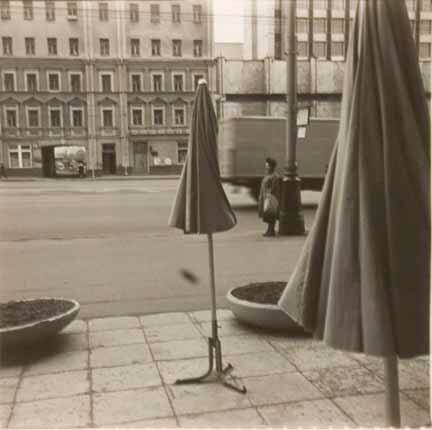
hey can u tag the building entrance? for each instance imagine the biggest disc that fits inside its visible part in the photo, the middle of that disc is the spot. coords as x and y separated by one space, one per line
48 162
108 159
140 158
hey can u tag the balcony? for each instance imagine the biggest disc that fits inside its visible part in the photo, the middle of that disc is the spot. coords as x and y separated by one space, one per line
14 132
108 131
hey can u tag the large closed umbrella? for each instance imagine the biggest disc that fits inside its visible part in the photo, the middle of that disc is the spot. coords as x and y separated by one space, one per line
201 207
362 281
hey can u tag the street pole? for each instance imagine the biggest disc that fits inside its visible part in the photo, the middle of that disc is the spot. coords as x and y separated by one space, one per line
291 222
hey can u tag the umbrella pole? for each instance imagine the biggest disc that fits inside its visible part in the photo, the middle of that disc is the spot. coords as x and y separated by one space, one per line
392 401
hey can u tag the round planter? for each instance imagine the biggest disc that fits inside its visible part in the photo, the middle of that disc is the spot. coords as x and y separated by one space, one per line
260 315
37 330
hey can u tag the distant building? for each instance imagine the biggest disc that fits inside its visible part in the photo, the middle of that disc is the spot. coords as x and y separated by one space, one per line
115 77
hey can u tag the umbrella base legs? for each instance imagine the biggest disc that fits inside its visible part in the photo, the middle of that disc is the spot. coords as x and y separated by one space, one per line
219 372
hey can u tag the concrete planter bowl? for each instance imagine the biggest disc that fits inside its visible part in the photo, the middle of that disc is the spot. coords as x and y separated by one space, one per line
39 329
265 316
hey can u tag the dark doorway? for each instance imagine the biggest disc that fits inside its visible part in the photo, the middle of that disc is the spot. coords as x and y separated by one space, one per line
108 159
48 162
140 158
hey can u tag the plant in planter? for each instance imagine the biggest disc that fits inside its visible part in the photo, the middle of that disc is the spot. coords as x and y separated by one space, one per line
256 304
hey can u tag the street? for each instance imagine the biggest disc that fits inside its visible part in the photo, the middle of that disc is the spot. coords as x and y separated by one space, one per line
107 244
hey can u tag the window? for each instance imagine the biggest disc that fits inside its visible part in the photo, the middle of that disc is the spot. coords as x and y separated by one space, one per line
54 81
32 117
196 79
302 25
52 46
425 50
134 12
136 83
303 49
77 117
338 25
157 82
30 46
135 47
107 117
7 45
73 46
156 47
104 47
55 117
154 13
411 4
427 5
50 10
338 49
178 83
320 49
137 117
197 48
31 82
9 81
72 10
302 4
158 116
175 12
338 4
179 116
177 48
182 150
320 25
5 9
11 118
197 13
28 9
20 156
106 80
320 4
278 46
425 26
103 11
75 82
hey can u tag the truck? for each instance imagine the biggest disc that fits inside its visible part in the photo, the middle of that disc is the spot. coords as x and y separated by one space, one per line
245 142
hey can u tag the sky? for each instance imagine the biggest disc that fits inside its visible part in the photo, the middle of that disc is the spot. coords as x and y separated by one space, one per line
228 20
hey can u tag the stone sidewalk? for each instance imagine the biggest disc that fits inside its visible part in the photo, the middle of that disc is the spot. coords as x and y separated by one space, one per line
120 372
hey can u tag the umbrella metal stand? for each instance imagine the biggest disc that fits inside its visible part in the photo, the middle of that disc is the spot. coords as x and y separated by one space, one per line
392 401
214 344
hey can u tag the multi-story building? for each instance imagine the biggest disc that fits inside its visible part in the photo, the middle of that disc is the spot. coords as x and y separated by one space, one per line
116 78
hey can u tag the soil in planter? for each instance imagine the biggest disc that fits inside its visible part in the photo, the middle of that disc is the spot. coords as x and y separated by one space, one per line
17 313
260 292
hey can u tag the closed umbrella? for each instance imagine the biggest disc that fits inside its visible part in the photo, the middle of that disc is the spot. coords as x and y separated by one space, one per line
201 207
362 281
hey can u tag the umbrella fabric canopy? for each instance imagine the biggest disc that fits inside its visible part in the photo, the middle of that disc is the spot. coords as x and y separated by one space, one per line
201 205
362 281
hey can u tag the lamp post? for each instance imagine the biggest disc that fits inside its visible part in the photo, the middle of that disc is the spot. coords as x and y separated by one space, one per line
291 222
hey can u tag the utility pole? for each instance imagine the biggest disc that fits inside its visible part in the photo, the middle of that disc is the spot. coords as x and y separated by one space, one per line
291 222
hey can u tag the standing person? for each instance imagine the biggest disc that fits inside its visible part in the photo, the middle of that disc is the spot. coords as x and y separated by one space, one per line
269 193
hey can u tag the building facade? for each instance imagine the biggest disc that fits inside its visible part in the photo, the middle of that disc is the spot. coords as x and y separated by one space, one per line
115 78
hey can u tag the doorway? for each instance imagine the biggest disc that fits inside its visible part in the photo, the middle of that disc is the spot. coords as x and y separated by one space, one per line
140 158
108 159
48 162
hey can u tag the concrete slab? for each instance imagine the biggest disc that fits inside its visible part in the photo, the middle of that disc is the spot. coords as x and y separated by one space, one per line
180 369
206 316
207 397
10 371
61 362
159 320
158 423
5 411
171 332
125 377
281 388
120 355
229 327
54 413
306 414
238 418
53 385
116 337
133 405
243 345
420 397
369 411
72 341
113 323
77 326
8 388
175 350
344 381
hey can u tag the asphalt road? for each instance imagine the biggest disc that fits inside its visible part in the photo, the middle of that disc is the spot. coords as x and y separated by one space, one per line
107 244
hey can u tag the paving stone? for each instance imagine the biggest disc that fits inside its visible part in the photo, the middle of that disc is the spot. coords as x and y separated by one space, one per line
258 364
281 388
53 385
54 413
120 355
206 315
306 414
116 337
420 397
284 343
239 418
132 405
158 423
114 323
72 341
5 411
77 326
243 345
180 369
344 381
10 371
159 320
125 377
229 327
171 332
206 397
8 387
65 361
368 410
180 349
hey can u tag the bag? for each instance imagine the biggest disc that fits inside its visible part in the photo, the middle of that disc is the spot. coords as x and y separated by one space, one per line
270 208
